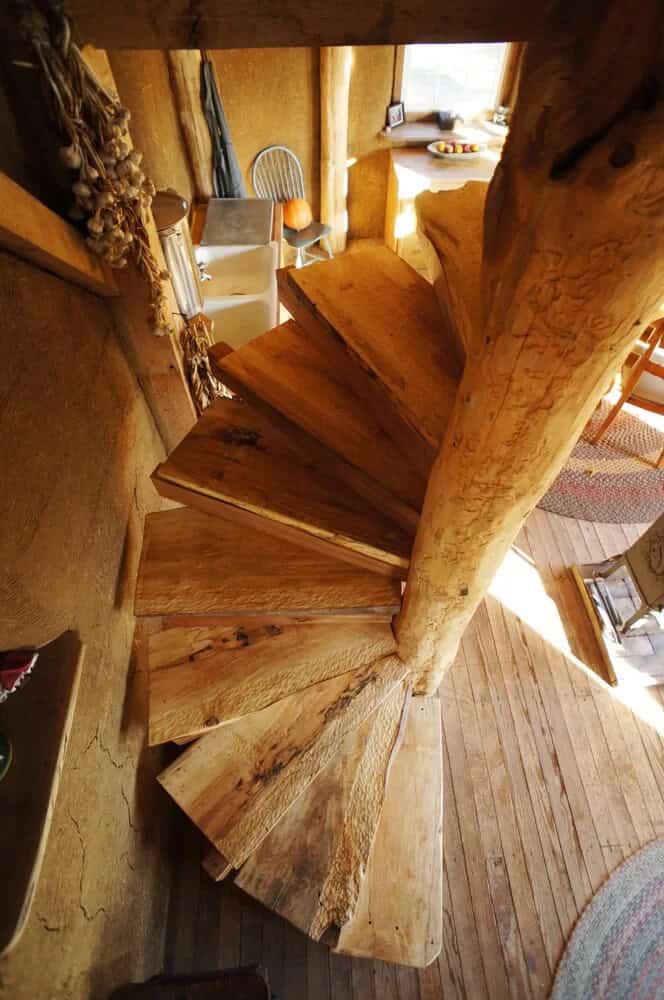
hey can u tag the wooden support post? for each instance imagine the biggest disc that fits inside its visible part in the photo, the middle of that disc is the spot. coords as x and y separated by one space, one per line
573 242
334 91
185 67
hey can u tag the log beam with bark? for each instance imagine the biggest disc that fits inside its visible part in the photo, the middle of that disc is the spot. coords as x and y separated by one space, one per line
573 242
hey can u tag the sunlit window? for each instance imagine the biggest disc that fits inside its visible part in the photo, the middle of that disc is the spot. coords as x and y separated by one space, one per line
461 78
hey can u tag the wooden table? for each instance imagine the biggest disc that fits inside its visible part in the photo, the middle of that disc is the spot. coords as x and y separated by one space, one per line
413 170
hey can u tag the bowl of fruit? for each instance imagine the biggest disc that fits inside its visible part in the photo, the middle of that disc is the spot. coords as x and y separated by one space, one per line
456 149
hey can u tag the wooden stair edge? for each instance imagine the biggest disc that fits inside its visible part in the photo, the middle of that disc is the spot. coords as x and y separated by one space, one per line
451 231
237 782
424 384
215 864
314 381
201 678
309 869
359 480
237 459
398 917
325 545
196 569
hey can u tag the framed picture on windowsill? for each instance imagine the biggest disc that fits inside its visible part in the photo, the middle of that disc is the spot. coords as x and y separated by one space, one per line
395 115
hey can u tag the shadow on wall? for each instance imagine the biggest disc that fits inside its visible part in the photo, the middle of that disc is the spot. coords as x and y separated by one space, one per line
367 194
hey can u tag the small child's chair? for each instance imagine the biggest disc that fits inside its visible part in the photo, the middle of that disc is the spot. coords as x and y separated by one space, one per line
277 174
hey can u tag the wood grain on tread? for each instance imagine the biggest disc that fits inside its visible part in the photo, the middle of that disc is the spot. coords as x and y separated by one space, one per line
316 383
203 676
399 911
237 782
451 229
310 867
235 457
388 317
195 564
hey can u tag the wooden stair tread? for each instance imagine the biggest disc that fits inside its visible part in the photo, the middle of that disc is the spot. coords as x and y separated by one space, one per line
451 229
314 381
196 564
388 317
237 461
309 868
399 912
203 676
237 782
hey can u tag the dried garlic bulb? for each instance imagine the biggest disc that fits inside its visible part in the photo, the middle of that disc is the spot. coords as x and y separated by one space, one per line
111 191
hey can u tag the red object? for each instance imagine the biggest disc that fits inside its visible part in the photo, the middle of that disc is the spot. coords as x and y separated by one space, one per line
15 665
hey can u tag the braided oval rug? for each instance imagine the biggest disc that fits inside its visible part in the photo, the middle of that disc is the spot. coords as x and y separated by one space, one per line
615 479
616 951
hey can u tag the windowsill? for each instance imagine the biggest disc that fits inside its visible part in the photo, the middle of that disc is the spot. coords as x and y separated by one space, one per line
421 133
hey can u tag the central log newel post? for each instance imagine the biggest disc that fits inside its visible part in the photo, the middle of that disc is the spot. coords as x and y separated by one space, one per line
571 273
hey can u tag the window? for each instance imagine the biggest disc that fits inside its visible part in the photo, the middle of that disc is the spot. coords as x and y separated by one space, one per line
462 78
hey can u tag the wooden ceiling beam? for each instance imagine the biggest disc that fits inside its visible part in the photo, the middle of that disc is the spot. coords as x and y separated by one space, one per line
179 24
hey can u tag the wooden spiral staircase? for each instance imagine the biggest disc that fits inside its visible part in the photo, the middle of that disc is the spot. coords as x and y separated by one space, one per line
315 773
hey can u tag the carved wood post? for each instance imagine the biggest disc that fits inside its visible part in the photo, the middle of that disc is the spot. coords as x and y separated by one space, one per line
573 243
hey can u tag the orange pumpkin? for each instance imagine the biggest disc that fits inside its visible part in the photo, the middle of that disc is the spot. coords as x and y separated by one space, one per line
297 213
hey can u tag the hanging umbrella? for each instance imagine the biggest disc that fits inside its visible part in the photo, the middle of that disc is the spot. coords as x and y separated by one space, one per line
226 175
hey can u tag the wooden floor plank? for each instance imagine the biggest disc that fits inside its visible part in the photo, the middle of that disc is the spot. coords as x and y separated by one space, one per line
622 767
239 463
506 805
461 960
450 961
273 952
239 780
341 982
386 981
407 987
555 755
388 317
295 964
482 653
497 873
362 978
230 930
315 383
646 804
523 719
196 564
620 838
318 970
431 986
203 676
570 740
486 919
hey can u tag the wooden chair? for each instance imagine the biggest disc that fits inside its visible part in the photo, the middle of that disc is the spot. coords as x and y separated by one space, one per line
644 561
638 387
277 174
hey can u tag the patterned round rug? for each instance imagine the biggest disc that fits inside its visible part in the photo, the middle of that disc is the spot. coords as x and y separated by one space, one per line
616 951
612 481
